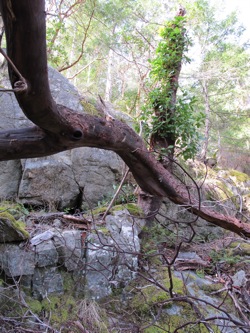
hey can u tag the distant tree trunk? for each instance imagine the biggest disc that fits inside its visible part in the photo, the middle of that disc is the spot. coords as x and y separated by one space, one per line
219 152
204 149
108 90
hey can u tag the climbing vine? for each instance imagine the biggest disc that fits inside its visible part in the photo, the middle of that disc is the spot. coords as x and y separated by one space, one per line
171 125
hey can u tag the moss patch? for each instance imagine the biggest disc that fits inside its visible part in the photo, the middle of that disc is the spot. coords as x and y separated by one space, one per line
145 300
218 190
133 209
238 176
15 230
240 248
59 309
15 209
34 305
89 108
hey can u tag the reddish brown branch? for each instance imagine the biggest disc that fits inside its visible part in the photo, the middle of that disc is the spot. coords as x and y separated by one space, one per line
59 128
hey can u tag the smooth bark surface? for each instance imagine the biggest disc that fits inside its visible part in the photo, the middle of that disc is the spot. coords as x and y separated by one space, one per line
59 128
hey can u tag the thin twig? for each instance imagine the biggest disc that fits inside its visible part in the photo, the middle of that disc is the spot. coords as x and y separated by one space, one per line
116 194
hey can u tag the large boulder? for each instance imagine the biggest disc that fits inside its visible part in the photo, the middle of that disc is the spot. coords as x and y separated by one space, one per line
62 180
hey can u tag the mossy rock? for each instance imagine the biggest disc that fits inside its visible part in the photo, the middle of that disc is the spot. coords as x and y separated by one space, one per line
218 190
133 209
17 210
89 108
10 229
34 305
240 248
238 177
10 305
152 295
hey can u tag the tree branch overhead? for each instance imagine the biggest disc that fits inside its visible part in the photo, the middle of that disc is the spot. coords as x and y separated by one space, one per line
58 128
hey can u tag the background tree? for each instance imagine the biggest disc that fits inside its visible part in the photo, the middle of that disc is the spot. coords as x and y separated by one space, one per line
220 80
170 123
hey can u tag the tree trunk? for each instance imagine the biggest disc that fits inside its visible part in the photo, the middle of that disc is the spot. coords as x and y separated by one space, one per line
151 204
207 122
59 128
158 141
108 90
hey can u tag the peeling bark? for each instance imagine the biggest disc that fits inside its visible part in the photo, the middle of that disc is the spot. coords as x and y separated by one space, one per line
59 128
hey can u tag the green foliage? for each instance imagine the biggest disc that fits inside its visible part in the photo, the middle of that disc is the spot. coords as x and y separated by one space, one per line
58 53
162 114
220 80
126 194
170 51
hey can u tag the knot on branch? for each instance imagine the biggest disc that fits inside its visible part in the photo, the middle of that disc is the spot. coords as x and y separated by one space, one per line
20 86
77 134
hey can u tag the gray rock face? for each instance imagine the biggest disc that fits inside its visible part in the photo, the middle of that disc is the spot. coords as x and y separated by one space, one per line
170 212
46 281
46 254
16 260
10 176
106 259
56 181
112 255
195 286
96 171
48 181
70 249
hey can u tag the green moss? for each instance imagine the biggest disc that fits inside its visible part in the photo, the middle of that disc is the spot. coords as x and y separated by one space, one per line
68 282
218 190
90 108
10 305
18 225
99 210
209 288
133 209
225 255
104 231
154 329
150 296
240 248
240 177
34 305
60 308
15 209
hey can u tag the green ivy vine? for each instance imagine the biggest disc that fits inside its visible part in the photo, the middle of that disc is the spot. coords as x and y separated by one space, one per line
165 114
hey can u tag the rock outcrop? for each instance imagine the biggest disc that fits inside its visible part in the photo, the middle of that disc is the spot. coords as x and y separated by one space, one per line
65 180
98 260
